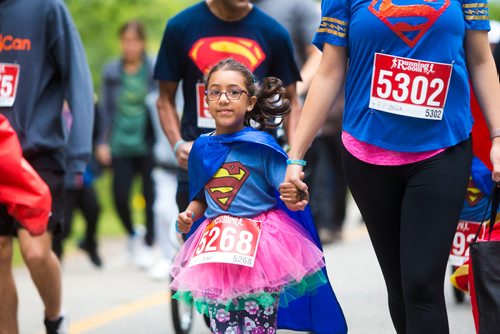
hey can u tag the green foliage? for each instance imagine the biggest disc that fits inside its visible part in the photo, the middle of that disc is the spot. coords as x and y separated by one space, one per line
98 22
494 8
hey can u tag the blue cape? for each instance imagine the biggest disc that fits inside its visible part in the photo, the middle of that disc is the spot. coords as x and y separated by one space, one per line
320 313
481 176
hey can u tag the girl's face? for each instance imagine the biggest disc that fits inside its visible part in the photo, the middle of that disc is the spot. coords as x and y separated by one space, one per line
228 101
132 46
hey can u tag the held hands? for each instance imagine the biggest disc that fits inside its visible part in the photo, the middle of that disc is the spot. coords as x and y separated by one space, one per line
293 191
185 221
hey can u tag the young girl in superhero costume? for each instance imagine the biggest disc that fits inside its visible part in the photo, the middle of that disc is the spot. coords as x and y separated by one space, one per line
252 265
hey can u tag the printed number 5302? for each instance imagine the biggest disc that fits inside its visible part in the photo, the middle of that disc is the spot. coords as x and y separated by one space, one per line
433 113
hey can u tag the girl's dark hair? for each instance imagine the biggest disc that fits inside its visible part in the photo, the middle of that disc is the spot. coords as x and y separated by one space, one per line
136 26
271 101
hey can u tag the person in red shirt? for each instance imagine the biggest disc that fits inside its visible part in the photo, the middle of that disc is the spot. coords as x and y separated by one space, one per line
25 195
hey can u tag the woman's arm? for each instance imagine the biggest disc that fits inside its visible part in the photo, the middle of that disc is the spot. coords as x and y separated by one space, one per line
325 88
484 80
170 122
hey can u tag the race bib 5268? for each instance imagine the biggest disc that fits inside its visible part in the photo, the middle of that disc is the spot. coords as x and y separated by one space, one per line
228 239
409 87
9 77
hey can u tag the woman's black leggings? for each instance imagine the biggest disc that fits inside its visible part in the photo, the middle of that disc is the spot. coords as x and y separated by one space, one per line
411 213
124 170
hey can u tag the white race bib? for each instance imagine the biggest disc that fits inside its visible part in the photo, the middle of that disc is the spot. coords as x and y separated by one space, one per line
9 78
228 239
466 231
409 87
204 119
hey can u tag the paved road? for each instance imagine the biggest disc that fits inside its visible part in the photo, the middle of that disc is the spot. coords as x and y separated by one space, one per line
122 299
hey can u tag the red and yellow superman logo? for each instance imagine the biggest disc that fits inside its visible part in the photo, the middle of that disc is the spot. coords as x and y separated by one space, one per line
474 195
226 183
208 51
397 18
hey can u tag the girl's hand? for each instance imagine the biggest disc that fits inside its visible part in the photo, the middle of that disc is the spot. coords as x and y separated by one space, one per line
495 159
289 192
294 176
291 195
185 221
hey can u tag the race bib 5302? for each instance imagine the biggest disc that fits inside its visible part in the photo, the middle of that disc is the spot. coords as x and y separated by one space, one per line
409 87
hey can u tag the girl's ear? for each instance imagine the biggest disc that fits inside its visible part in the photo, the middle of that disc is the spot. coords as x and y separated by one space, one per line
251 103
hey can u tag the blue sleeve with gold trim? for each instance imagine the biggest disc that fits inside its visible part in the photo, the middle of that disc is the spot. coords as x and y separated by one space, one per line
333 28
476 14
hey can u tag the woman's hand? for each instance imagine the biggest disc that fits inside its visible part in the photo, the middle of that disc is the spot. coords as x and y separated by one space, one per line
103 154
293 178
495 159
185 221
182 154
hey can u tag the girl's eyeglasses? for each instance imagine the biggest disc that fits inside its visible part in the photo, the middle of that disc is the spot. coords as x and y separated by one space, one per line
231 94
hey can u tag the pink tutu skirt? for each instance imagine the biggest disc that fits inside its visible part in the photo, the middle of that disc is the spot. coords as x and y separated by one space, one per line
286 257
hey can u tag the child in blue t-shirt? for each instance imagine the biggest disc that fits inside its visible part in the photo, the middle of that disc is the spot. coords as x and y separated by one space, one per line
248 256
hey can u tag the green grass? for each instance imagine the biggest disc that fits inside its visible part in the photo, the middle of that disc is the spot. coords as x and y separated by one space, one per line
109 224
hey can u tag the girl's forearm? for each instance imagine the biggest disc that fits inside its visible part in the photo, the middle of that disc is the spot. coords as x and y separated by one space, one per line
197 207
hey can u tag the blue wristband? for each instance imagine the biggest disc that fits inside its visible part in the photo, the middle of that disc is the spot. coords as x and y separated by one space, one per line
177 226
299 162
177 144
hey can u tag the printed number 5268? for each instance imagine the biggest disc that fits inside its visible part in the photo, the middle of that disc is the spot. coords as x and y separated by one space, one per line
226 241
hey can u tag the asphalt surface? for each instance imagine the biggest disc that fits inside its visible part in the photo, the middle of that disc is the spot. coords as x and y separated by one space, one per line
120 298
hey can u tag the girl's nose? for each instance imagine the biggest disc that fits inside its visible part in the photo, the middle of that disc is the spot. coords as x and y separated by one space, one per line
223 98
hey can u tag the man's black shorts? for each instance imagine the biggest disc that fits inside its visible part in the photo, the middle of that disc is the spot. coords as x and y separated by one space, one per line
55 181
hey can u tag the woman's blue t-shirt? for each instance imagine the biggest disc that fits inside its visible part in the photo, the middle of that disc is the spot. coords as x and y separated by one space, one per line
421 31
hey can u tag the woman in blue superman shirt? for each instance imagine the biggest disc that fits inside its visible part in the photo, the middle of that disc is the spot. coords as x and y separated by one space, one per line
406 132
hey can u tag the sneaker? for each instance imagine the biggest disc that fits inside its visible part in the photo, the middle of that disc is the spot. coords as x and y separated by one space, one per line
92 253
160 270
145 257
59 326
